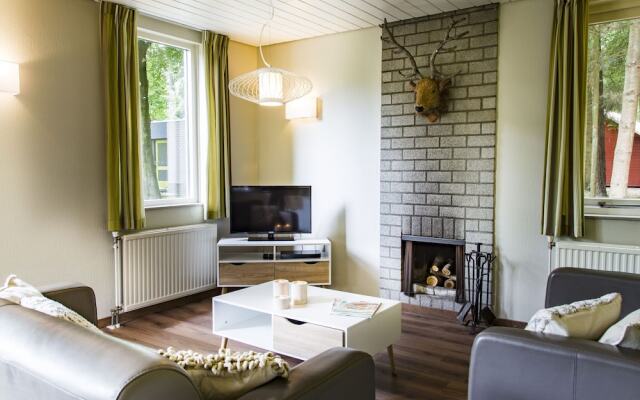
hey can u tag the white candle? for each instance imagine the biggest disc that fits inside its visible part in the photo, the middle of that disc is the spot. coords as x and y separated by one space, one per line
298 293
281 302
280 287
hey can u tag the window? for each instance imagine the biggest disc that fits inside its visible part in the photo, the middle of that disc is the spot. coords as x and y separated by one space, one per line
612 135
168 94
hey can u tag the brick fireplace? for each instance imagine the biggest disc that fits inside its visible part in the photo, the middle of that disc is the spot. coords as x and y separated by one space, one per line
437 179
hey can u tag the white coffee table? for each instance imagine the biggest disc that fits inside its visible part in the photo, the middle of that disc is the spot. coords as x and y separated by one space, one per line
248 316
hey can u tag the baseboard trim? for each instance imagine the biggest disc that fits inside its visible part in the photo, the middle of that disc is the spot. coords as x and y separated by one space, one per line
131 315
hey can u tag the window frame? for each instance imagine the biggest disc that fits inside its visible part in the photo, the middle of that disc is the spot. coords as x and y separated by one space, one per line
192 116
602 12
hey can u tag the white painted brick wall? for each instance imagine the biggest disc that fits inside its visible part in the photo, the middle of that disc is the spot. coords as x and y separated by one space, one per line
437 179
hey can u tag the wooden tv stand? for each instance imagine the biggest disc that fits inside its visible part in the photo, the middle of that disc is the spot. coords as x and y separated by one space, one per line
242 262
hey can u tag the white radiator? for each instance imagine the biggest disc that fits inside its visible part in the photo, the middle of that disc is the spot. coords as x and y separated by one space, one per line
163 264
604 257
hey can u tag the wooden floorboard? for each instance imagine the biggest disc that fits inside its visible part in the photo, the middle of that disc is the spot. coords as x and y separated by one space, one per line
432 355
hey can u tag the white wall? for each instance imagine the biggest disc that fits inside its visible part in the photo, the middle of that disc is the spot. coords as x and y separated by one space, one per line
338 154
522 98
52 157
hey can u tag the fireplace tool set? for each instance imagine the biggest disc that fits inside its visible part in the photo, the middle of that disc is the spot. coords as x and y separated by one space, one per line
477 310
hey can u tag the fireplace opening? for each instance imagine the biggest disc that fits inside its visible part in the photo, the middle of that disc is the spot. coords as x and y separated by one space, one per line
433 266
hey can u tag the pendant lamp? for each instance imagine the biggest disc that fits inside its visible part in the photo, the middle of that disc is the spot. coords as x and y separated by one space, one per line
269 86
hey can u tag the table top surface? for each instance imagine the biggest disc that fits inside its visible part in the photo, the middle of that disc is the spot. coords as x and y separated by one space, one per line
317 310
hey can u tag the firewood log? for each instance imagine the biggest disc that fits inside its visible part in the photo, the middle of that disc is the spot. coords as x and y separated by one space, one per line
433 280
450 283
437 264
419 288
446 270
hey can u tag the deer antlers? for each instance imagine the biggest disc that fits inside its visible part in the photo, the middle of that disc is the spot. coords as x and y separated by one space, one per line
416 71
438 50
447 38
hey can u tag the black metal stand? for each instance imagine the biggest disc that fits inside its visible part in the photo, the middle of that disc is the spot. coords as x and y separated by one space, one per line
477 309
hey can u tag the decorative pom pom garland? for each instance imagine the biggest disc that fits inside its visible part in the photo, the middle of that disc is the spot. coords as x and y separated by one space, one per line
226 362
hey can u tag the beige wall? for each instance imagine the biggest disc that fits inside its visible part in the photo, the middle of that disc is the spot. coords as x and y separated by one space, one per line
522 98
338 154
52 165
244 117
53 207
617 231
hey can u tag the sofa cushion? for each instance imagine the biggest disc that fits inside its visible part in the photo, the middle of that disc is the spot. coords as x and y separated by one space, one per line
228 375
20 292
586 319
624 333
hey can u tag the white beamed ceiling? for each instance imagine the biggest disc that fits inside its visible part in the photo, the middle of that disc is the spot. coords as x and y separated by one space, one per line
241 20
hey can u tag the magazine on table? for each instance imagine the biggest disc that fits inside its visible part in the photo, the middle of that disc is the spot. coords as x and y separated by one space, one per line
360 309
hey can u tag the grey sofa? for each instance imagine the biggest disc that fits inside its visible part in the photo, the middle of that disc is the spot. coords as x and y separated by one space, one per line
42 357
515 364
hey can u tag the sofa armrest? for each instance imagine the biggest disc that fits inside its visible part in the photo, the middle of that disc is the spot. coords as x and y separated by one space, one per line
338 373
76 296
509 363
48 358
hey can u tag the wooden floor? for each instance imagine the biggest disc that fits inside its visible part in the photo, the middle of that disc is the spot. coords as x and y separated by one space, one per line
432 356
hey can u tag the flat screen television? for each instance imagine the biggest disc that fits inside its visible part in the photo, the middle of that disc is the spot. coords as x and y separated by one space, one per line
271 209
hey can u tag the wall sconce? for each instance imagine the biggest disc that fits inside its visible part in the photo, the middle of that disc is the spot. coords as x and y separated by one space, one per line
9 77
305 107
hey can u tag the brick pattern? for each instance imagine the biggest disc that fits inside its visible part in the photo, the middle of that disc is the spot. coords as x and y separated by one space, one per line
438 179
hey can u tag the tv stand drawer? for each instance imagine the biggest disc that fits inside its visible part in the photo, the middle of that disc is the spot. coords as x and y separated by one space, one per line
245 273
314 272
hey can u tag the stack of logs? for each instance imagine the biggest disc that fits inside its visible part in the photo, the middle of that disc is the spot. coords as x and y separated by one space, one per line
442 273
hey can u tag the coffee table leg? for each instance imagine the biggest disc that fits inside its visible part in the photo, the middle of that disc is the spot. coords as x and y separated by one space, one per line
223 343
392 360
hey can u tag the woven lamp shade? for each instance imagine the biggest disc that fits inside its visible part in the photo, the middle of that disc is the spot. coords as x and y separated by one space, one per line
270 86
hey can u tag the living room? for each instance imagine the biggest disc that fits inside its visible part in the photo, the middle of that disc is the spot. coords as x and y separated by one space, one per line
441 164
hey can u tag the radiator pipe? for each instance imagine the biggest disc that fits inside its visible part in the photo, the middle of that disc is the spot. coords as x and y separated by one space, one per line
117 262
551 244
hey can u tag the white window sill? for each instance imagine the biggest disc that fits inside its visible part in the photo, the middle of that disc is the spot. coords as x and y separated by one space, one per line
612 208
171 205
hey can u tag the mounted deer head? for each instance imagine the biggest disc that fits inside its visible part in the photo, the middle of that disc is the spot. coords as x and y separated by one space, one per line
430 90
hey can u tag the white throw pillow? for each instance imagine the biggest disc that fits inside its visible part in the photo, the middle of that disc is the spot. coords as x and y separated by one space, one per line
20 292
228 375
16 289
625 333
55 309
586 319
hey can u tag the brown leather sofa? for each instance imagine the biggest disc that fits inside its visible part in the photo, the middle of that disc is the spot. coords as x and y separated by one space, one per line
509 363
42 357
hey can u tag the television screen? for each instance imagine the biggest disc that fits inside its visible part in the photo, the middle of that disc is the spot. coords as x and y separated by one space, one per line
265 209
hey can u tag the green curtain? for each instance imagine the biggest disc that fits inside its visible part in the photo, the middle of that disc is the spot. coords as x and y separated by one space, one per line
119 45
563 202
216 81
